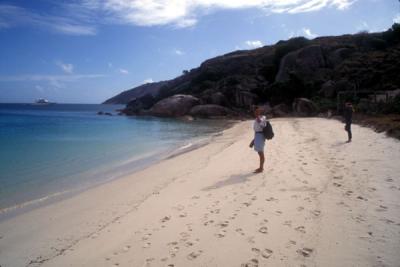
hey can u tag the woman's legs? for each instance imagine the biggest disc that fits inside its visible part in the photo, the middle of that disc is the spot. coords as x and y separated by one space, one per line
262 159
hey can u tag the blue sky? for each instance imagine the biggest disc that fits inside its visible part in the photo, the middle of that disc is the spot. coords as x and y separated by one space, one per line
85 51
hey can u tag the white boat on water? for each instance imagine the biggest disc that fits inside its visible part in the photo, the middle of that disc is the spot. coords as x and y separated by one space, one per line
42 101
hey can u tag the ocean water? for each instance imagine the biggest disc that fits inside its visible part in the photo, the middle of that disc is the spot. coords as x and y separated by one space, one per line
51 150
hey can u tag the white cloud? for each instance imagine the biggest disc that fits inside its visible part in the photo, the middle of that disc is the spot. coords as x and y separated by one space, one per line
396 19
81 17
307 33
254 44
185 13
75 29
38 77
14 16
123 71
149 80
67 68
179 52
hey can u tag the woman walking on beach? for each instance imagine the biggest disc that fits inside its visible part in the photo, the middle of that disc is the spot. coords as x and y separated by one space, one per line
348 116
259 141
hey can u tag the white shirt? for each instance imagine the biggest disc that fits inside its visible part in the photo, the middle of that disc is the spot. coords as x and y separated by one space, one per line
258 126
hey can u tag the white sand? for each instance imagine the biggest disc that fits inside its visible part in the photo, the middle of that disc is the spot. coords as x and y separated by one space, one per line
320 202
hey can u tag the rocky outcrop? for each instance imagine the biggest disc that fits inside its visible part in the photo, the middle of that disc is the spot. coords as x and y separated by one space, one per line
245 99
304 107
328 89
219 98
174 106
297 68
210 110
138 105
303 63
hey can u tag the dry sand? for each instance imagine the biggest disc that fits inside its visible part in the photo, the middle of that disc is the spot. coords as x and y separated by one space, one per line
320 202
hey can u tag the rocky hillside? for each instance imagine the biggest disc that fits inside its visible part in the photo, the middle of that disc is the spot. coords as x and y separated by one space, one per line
137 92
279 75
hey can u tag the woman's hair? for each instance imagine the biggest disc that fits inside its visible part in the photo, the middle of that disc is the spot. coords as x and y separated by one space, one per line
258 108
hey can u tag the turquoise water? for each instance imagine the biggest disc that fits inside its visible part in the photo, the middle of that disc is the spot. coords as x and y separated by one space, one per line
50 150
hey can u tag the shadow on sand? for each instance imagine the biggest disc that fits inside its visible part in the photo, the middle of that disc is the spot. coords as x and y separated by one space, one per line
233 179
340 143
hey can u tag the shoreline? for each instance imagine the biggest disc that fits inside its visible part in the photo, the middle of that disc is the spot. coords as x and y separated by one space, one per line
139 164
320 202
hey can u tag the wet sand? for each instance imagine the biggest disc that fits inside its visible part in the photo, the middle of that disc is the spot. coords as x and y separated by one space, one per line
319 202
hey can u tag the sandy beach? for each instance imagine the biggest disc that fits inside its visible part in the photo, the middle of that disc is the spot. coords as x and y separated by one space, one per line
319 202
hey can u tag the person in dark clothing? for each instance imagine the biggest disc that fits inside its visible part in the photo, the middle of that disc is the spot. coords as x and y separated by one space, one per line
348 118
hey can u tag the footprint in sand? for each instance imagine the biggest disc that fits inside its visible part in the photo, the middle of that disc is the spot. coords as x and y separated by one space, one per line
208 222
146 237
224 224
300 208
179 207
316 212
300 229
381 208
194 255
287 223
240 231
147 245
216 211
291 243
305 252
263 230
349 193
148 261
266 253
221 234
173 250
232 217
184 236
183 215
246 204
337 184
189 244
250 239
165 219
251 263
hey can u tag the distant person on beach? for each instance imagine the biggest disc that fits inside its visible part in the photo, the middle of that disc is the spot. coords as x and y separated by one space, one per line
259 141
348 118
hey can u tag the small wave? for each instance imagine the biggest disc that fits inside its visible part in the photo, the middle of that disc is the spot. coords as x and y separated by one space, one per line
34 201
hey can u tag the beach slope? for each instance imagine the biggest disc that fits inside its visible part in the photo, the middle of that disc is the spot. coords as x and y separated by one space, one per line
319 202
